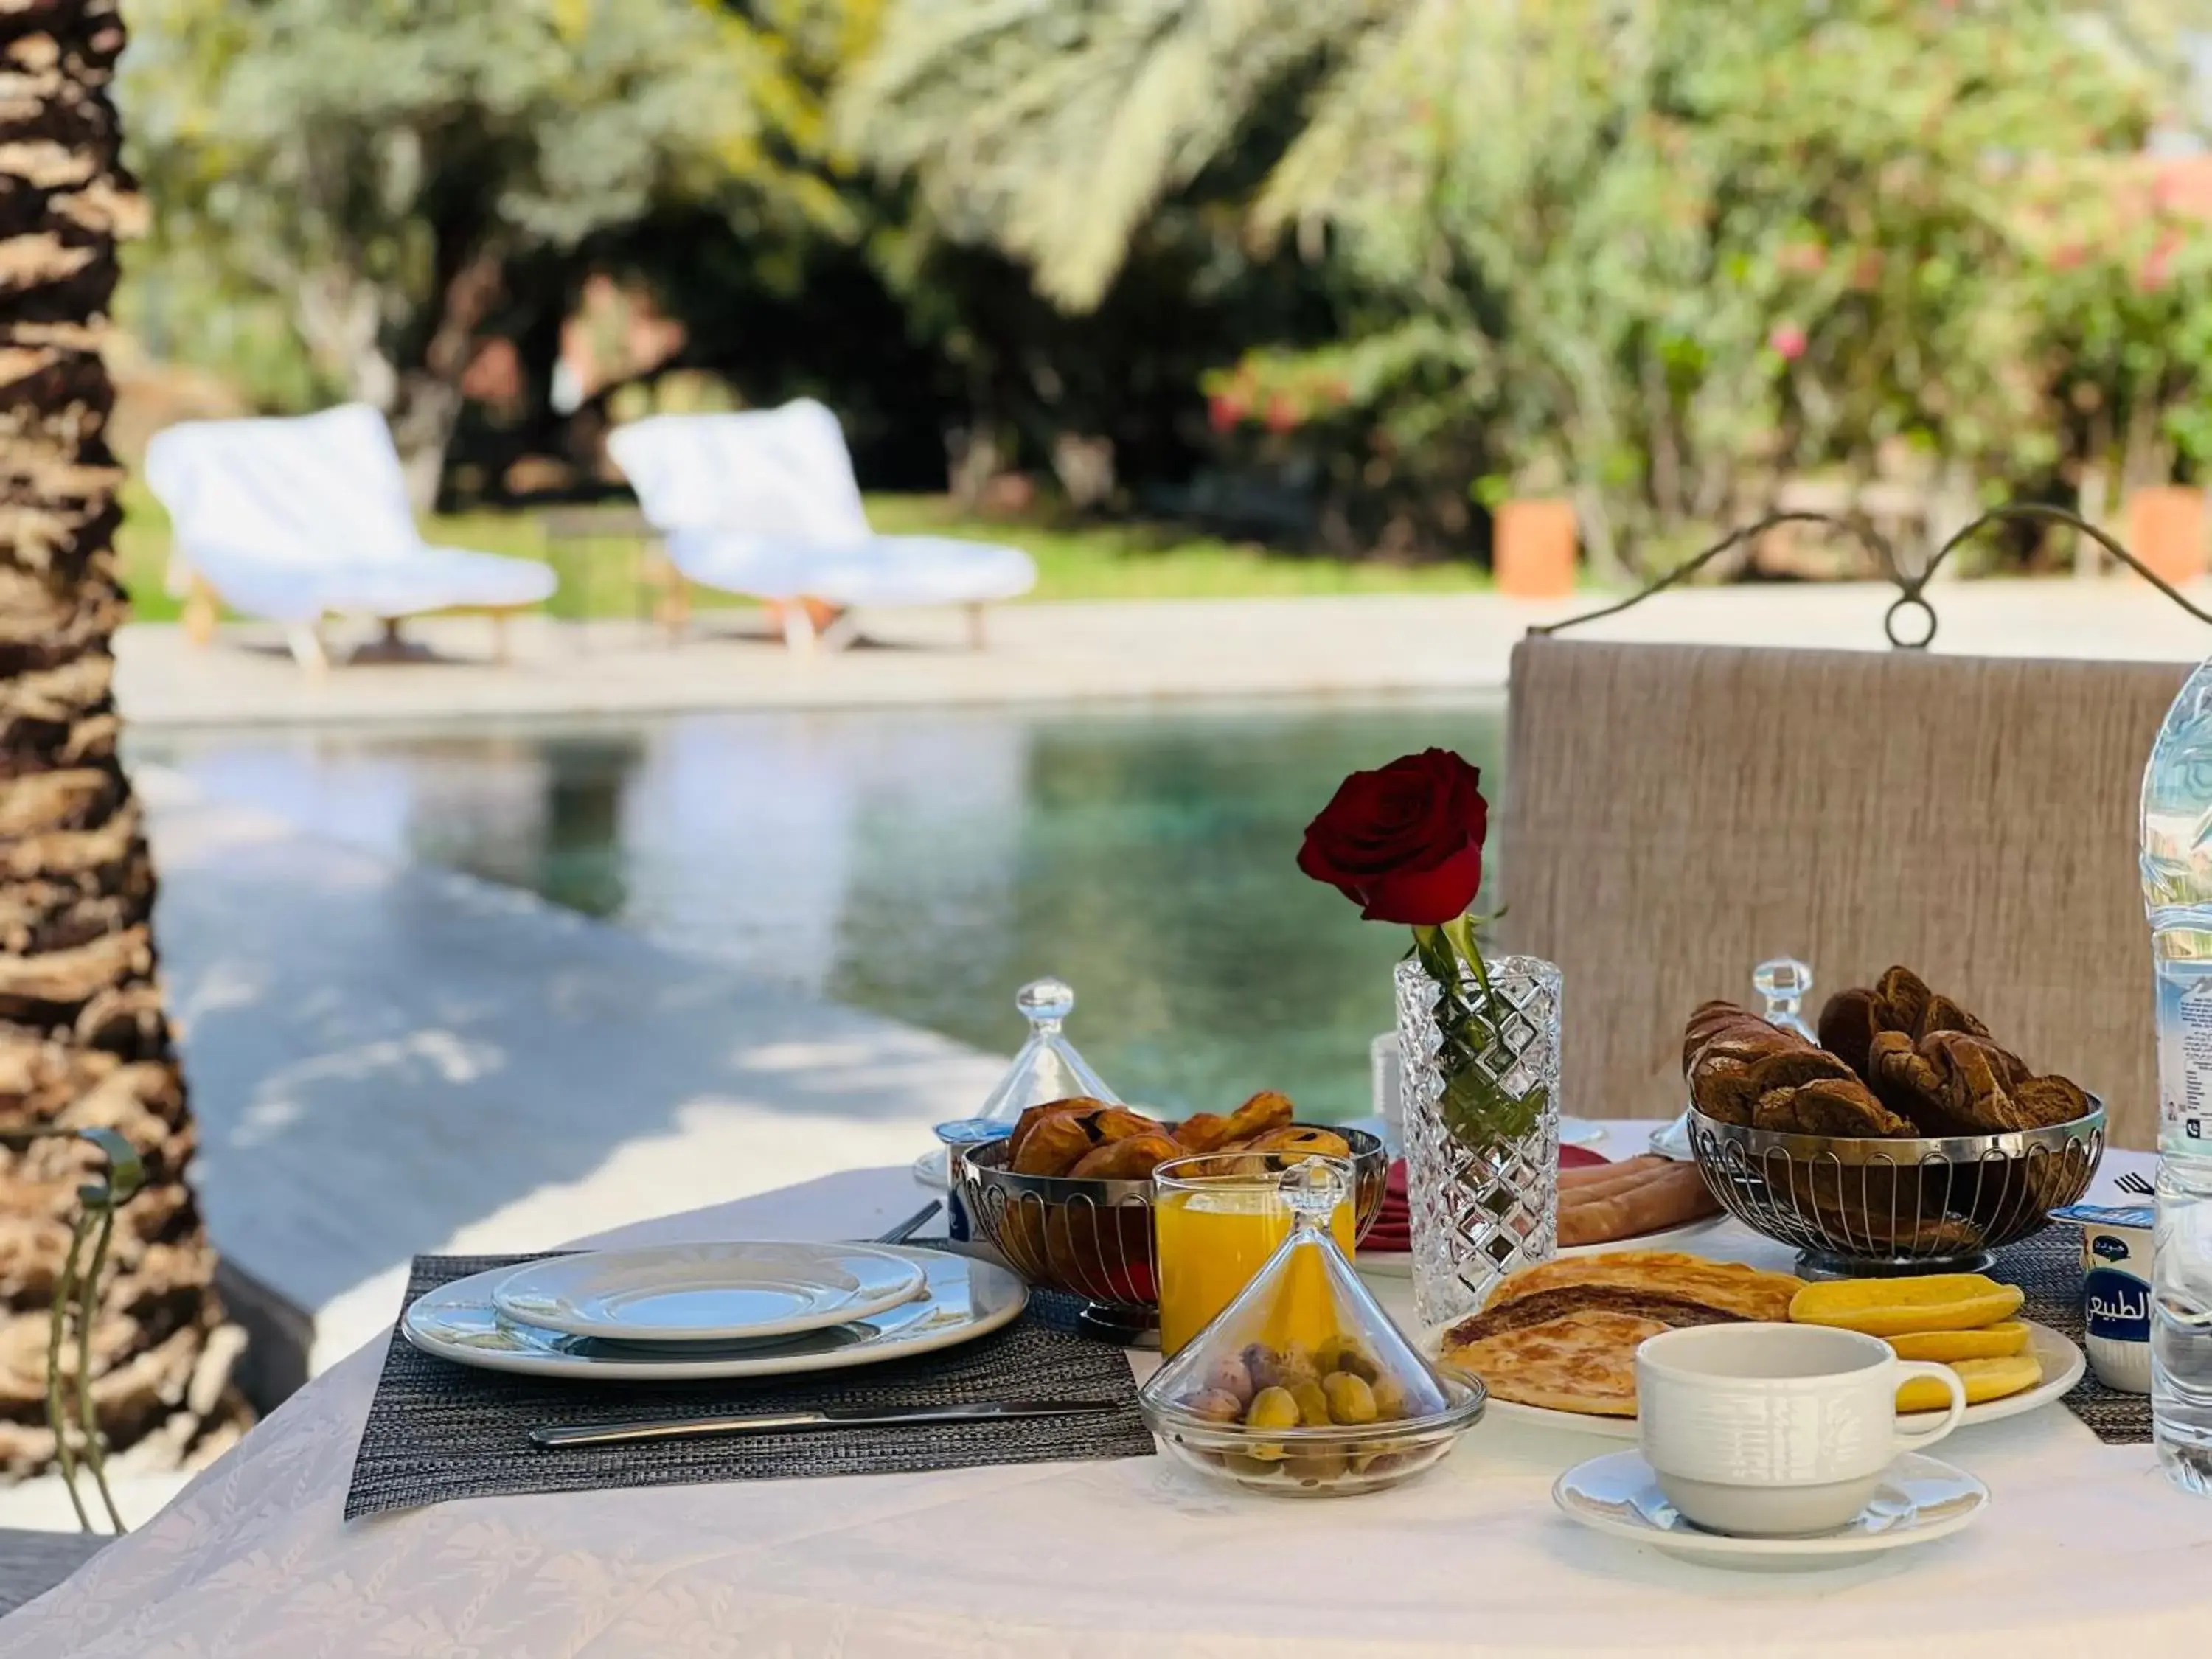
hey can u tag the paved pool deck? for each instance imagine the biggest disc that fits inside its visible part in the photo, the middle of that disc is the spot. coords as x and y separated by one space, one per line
1367 645
389 1058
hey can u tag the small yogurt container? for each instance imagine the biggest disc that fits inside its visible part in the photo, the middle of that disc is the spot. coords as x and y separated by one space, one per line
2115 1249
958 1139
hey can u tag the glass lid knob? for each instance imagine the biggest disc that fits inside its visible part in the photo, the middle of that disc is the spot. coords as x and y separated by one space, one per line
1045 1002
1785 982
1313 1189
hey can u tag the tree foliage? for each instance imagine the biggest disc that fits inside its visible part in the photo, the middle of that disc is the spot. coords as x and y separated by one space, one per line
398 177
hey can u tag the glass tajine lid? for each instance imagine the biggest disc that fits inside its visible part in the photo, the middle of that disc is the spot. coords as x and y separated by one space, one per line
1048 1067
1304 1345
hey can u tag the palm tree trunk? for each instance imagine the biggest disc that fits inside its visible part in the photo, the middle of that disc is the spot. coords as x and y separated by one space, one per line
84 1039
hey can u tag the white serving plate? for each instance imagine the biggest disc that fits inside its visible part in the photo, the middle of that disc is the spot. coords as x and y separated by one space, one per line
2063 1366
1666 1238
1399 1264
963 1299
1920 1499
719 1292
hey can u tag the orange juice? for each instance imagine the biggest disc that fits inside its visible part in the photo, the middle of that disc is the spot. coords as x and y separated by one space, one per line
1211 1237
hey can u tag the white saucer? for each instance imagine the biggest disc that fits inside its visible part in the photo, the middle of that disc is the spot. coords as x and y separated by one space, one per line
735 1291
933 1170
1920 1498
964 1299
1580 1132
2063 1365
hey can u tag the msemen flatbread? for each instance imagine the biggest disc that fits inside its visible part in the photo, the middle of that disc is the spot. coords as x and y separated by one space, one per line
1563 1334
1580 1362
1725 1286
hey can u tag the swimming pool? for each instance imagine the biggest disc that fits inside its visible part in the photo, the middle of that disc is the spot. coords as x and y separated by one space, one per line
924 863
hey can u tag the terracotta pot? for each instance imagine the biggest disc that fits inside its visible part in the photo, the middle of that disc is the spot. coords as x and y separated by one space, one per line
2165 530
1532 549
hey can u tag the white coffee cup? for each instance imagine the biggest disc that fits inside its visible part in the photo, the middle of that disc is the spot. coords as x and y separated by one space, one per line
1776 1430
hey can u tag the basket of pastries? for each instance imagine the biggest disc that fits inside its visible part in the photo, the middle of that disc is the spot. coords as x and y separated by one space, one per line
1907 1137
1066 1197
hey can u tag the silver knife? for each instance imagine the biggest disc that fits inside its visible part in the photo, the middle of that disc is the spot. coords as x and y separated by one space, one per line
548 1438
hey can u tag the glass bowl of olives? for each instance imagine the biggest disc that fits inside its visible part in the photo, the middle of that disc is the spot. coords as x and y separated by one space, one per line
1309 1421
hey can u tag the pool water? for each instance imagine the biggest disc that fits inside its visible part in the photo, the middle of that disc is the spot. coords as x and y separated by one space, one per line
926 863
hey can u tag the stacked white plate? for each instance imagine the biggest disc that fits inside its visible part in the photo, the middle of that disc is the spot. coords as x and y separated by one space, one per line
678 1312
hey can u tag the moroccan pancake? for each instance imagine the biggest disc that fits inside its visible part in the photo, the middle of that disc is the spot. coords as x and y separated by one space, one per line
1580 1362
1726 1287
1673 1312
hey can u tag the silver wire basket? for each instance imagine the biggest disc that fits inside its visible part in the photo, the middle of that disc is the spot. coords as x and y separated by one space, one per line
1094 1238
1879 1205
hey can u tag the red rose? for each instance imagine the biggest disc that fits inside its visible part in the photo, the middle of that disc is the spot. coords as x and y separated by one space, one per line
1404 843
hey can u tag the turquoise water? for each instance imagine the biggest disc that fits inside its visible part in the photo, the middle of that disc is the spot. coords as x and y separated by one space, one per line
924 863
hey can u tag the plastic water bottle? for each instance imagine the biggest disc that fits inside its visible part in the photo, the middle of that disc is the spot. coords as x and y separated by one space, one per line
2177 877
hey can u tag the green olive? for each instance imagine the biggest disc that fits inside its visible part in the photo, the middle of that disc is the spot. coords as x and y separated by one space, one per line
1350 1398
1216 1405
1313 1468
1388 1395
1273 1408
1344 1353
1313 1404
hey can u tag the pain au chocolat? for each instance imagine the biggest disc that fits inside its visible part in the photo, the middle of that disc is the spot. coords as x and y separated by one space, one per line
1896 1059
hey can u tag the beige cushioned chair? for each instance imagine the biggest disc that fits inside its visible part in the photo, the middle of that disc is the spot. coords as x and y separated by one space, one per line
1675 814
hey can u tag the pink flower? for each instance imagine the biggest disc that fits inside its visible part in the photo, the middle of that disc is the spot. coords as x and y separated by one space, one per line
2157 268
1225 412
1789 341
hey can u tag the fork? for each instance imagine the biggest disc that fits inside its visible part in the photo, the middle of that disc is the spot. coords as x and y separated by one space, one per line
2132 1182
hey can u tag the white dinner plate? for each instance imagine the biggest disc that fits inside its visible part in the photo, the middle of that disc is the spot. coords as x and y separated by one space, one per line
1667 1238
963 1299
721 1291
1920 1498
2063 1365
1399 1264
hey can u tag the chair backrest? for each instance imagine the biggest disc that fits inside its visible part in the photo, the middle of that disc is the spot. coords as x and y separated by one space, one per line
779 474
1675 814
296 489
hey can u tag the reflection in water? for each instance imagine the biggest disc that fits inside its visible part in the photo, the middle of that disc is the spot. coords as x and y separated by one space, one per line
924 863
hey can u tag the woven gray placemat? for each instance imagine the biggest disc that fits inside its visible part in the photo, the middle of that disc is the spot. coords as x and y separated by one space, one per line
438 1430
2048 1266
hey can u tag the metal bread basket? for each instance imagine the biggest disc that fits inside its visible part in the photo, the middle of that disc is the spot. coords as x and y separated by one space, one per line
1881 1206
1094 1238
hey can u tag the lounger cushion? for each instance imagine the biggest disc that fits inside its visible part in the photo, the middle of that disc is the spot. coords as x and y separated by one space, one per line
295 517
883 570
766 503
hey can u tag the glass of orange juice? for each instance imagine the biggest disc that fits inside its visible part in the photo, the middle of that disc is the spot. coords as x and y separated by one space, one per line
1216 1219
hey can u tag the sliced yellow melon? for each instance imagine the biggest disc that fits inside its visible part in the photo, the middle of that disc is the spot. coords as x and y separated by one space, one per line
1997 1341
1903 1307
1985 1379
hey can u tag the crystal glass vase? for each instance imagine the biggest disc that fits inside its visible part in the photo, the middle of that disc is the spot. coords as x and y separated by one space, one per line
1480 1092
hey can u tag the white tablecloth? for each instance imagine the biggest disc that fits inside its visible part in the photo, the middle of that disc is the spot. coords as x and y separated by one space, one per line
2085 1550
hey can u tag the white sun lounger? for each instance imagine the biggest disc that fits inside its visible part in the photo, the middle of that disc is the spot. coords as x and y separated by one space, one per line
765 504
299 518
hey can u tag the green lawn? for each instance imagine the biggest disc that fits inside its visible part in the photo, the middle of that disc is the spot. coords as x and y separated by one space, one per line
1082 562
